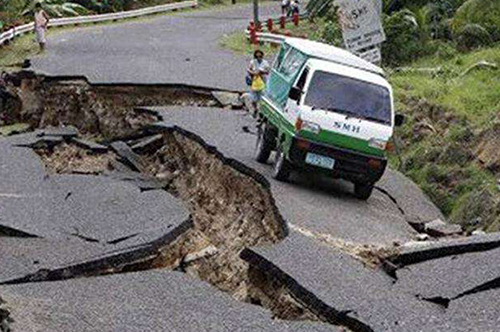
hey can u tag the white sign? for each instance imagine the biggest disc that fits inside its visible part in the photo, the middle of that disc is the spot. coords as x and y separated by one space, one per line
372 55
361 24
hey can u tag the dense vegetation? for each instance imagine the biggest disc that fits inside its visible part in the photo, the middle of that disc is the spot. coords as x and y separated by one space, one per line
15 12
442 56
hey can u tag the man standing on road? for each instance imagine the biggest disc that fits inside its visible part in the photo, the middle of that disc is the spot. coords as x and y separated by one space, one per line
258 71
41 22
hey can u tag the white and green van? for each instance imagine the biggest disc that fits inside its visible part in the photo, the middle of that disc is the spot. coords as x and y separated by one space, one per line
325 109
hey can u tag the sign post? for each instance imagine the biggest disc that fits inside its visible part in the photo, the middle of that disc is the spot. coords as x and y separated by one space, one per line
362 27
256 12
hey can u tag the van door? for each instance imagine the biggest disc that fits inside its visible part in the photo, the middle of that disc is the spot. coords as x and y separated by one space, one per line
283 74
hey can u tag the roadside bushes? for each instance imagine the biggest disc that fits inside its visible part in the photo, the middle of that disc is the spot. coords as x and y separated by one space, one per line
332 34
414 27
17 12
472 36
403 39
482 12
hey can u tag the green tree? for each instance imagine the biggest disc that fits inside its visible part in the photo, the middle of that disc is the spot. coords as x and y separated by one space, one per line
485 13
55 8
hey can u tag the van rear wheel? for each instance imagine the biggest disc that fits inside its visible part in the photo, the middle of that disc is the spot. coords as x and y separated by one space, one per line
264 144
363 191
282 167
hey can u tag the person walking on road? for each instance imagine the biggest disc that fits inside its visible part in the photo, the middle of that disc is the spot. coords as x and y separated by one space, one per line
294 7
285 7
257 71
41 23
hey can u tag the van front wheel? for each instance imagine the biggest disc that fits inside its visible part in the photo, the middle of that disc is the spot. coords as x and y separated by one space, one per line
363 191
282 167
264 145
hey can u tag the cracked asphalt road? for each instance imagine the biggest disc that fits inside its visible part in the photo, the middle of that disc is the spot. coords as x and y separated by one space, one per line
177 49
158 300
318 204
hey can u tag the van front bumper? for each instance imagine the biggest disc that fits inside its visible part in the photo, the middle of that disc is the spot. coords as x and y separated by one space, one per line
349 165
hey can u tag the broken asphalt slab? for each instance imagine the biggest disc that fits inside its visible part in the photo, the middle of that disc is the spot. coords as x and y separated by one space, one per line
148 143
21 170
343 283
23 256
92 207
318 204
141 301
128 156
64 132
416 206
87 207
451 276
228 99
89 145
417 252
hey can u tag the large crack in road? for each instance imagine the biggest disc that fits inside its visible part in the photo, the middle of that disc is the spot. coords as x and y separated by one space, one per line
231 208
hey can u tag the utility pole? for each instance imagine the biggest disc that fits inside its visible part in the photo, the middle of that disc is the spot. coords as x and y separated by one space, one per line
256 12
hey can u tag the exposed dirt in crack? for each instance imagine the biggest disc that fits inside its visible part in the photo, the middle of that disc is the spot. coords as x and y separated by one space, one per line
5 319
108 111
370 255
230 204
231 209
71 159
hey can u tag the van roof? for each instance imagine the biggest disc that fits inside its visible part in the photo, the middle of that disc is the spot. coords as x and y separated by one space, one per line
333 54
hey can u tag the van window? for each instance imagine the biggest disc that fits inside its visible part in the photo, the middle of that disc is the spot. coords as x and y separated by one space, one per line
292 63
349 96
281 55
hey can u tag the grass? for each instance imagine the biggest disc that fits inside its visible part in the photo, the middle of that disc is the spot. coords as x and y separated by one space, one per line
460 108
474 96
239 43
12 55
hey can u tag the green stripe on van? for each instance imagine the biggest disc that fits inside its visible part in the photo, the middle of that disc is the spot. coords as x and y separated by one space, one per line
325 136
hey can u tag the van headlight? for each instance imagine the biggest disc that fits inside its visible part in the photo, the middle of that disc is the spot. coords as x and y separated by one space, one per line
311 126
377 143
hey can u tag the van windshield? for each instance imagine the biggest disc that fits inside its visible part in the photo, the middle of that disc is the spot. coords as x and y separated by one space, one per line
349 96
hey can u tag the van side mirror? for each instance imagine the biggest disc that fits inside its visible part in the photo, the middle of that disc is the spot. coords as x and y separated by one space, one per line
399 120
295 94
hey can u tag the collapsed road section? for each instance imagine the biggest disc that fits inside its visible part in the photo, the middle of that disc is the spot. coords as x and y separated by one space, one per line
107 111
230 205
231 209
229 232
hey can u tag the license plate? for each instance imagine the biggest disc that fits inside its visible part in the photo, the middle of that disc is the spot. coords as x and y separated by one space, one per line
321 161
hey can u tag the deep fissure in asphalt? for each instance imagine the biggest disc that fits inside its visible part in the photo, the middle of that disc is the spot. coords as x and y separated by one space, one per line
105 112
231 206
